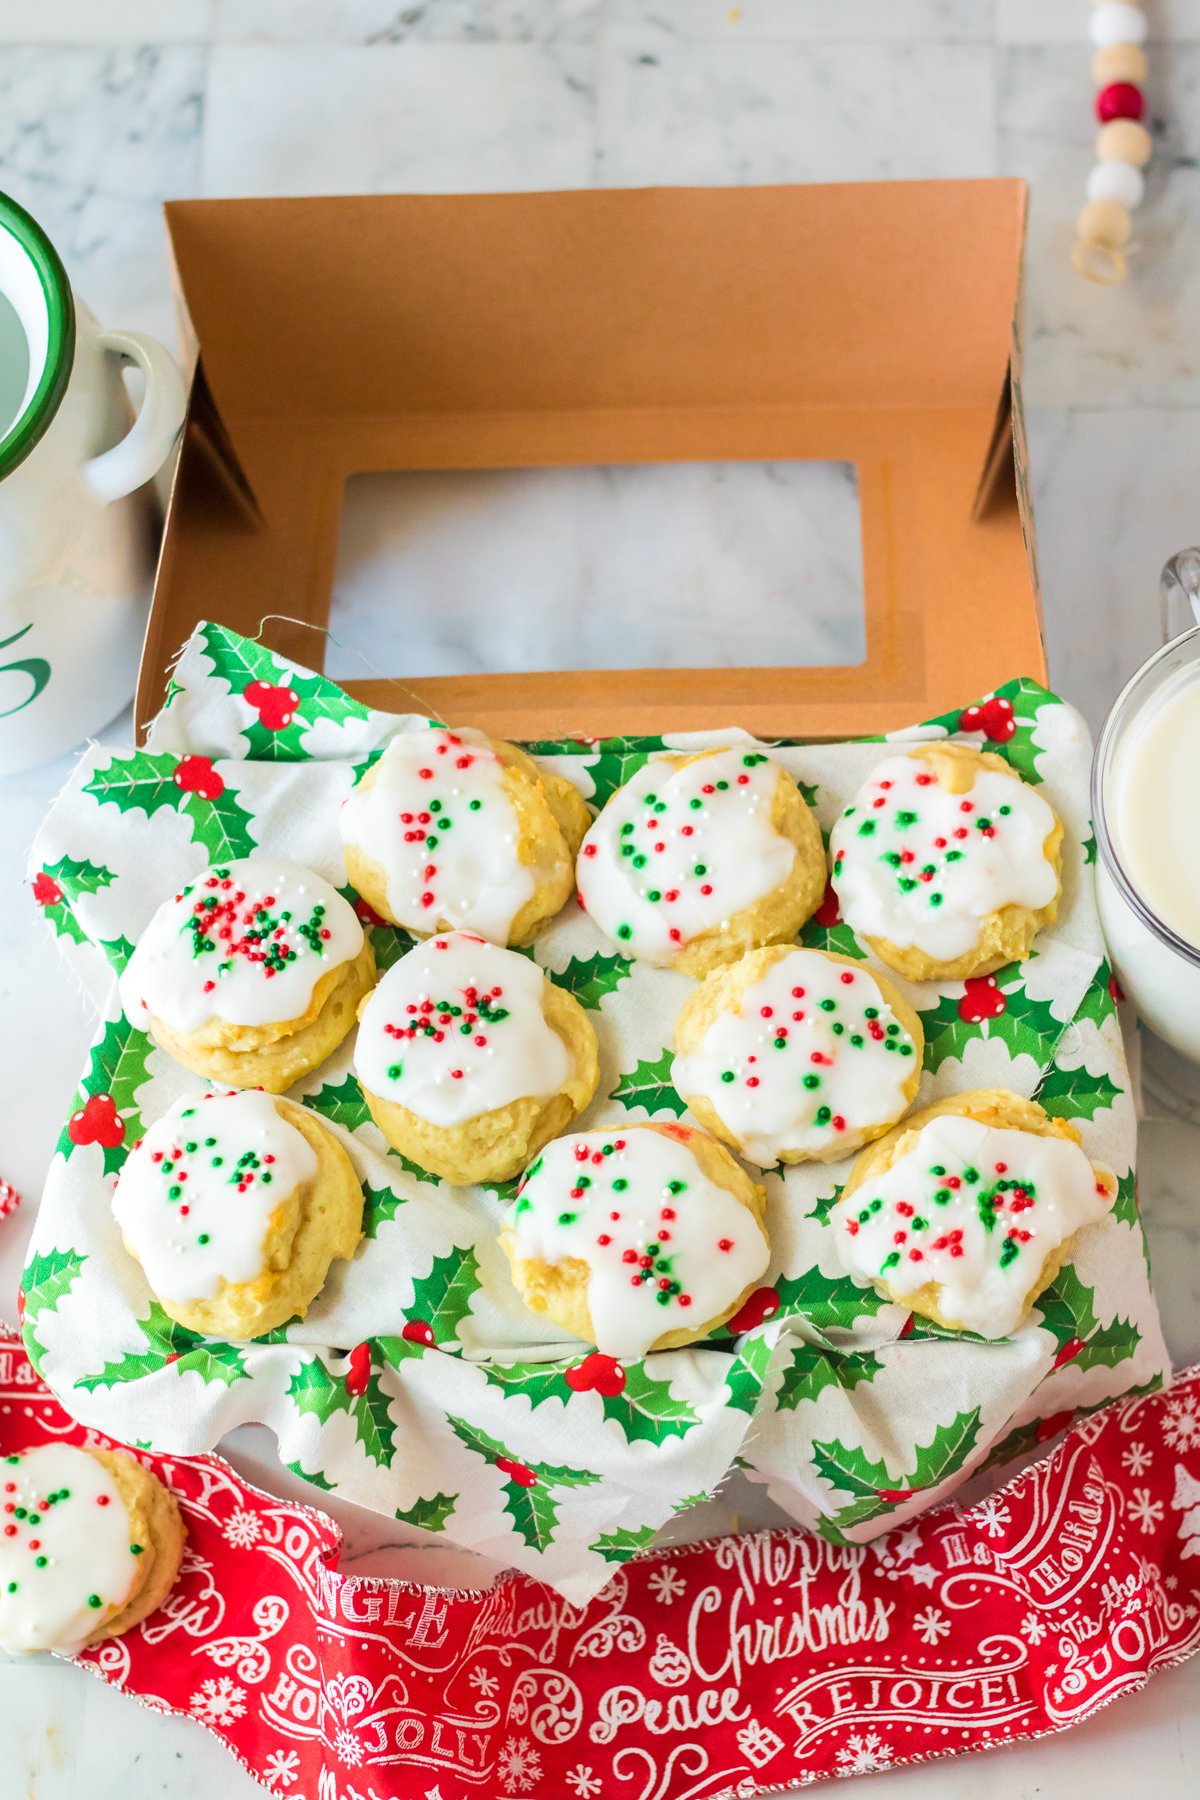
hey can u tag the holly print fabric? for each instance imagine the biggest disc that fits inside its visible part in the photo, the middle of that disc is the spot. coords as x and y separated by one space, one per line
419 1385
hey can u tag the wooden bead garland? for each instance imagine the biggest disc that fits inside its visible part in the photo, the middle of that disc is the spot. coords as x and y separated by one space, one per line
1116 184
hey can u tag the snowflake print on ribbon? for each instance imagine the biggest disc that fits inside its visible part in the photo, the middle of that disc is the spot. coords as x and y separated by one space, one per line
1144 1509
242 1529
991 1515
520 1765
483 1683
583 1782
219 1701
1033 1629
667 1584
281 1768
348 1747
863 1753
1137 1459
1181 1426
931 1625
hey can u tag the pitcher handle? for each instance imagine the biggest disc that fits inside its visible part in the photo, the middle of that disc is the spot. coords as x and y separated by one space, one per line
144 449
1179 594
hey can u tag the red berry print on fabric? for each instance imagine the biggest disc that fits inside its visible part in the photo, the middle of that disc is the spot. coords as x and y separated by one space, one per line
993 716
275 706
516 1471
196 775
829 913
97 1122
46 890
981 999
358 1374
418 1331
597 1372
762 1305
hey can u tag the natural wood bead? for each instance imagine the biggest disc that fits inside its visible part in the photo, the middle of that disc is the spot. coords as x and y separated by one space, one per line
1124 140
1104 222
1119 62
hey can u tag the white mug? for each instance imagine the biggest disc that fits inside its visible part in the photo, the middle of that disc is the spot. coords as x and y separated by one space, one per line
1158 967
78 525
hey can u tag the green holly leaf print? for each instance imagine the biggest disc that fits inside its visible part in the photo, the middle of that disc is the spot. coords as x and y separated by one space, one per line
528 1487
118 952
619 759
1125 1206
648 1088
442 1299
222 826
1089 848
990 1007
812 1370
75 876
619 1545
826 1203
168 1344
645 1409
746 1376
137 781
1068 1311
380 1205
283 703
849 1469
314 1477
590 978
47 1279
64 923
1098 1004
145 781
1074 1094
826 1300
106 1105
390 943
429 1513
835 940
314 1389
873 1489
414 1169
342 1103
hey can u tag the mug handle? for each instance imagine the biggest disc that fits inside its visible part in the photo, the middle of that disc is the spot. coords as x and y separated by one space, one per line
1179 594
144 449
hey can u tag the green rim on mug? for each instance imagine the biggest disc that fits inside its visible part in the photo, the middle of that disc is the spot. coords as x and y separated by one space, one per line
60 338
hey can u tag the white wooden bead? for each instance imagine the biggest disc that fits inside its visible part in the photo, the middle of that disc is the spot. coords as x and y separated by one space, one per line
1117 23
1116 181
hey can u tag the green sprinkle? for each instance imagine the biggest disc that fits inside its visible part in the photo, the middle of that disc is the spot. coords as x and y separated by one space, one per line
654 895
1004 811
828 1005
856 1040
474 805
935 899
812 1081
136 1549
942 1197
95 1600
721 786
728 1075
39 1562
620 1184
700 869
567 1218
624 931
174 1191
676 1187
906 1049
970 1174
639 861
871 1012
907 884
824 1114
695 804
838 1028
906 818
12 1586
203 1238
867 829
890 1261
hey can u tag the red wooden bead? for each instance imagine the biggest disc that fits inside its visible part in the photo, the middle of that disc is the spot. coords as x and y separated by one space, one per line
1119 100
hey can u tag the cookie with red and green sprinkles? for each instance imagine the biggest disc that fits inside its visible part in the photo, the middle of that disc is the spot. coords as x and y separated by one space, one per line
637 1238
946 863
89 1544
795 1055
966 1212
698 859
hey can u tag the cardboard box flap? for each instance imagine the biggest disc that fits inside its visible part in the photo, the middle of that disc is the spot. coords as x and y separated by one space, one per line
879 295
868 324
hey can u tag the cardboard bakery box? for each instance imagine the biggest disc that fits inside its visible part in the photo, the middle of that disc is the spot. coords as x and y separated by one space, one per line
870 324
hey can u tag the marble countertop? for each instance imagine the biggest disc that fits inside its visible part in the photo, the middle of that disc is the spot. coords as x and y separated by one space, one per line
106 110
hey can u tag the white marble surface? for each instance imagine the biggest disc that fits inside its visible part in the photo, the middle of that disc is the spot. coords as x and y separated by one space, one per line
106 109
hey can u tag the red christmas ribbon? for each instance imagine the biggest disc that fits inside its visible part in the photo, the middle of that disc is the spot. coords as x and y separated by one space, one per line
702 1672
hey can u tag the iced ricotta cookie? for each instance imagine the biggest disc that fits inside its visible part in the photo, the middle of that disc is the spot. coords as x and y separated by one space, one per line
698 859
968 1210
453 829
90 1546
235 1205
470 1059
251 974
947 864
637 1238
792 1055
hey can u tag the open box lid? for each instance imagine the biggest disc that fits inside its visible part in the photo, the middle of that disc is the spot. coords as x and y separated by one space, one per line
868 323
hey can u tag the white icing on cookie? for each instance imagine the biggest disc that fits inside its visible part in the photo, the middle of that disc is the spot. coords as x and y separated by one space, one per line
920 867
456 1029
68 1561
665 1247
677 851
813 1053
246 942
975 1208
195 1197
439 820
